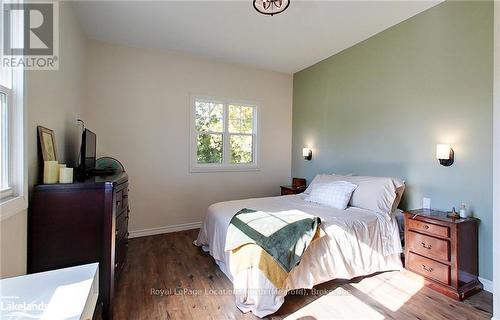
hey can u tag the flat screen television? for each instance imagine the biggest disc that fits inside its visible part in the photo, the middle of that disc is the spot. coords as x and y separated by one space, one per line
88 150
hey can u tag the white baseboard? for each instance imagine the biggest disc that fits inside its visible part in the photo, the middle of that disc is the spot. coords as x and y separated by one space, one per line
487 284
165 229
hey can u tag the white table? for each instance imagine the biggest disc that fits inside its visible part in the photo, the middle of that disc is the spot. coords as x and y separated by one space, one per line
69 293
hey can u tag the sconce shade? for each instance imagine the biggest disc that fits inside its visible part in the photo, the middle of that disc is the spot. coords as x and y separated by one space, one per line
307 153
443 152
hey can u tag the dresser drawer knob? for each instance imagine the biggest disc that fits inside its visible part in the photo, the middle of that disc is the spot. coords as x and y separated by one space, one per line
425 227
116 265
426 268
428 247
118 203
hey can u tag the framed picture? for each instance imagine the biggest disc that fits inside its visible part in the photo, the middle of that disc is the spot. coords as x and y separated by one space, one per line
47 140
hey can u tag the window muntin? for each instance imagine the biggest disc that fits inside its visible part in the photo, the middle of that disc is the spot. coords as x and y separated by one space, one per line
225 135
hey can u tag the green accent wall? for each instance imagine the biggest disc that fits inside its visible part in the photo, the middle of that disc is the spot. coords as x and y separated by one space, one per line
381 106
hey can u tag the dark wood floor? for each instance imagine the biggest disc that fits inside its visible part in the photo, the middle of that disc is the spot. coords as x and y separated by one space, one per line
166 277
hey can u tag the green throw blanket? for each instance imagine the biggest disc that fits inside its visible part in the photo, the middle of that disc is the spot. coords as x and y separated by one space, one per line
283 235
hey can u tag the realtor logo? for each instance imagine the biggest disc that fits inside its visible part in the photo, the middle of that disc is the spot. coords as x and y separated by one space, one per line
30 36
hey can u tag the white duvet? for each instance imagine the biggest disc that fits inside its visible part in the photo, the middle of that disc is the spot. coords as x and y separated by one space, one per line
358 242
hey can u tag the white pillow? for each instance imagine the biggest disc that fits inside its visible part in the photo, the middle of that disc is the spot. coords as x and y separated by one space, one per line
375 193
333 194
379 194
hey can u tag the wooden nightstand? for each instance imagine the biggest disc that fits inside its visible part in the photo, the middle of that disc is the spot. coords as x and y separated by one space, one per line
299 185
444 251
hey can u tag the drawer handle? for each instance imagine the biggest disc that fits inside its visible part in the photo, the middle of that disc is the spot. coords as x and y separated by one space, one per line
116 233
426 268
118 203
116 265
428 247
425 227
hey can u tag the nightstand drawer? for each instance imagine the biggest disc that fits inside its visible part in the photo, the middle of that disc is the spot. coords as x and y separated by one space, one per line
429 246
429 268
429 228
286 190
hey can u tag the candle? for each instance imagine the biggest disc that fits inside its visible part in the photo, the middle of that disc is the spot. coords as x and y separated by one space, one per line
50 172
65 175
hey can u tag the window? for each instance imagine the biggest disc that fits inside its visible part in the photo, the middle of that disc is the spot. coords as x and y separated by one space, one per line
5 98
13 169
224 135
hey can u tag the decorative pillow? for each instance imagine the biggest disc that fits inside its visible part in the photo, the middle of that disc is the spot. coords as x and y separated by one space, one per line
323 178
333 194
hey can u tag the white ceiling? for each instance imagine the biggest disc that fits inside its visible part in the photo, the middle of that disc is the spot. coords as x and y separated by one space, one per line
232 31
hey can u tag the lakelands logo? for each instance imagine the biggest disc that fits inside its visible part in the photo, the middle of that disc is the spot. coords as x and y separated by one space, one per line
30 37
11 309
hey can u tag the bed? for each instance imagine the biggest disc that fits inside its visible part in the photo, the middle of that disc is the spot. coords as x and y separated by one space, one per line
358 242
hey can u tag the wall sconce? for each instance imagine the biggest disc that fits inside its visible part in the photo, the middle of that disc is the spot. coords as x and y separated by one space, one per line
307 153
445 154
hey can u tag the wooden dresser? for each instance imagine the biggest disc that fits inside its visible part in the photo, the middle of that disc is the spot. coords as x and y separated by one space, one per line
80 223
443 250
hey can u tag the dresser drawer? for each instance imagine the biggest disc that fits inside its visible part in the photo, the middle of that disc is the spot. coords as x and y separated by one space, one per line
124 201
429 246
119 202
121 227
429 228
428 268
120 256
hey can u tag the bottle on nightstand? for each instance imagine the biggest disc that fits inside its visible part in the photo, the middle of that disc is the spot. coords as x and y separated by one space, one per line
463 211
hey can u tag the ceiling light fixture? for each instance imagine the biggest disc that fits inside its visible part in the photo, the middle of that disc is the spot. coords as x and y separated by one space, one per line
271 7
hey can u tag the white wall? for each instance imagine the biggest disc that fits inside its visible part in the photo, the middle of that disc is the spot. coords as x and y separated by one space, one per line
13 245
56 98
53 99
138 105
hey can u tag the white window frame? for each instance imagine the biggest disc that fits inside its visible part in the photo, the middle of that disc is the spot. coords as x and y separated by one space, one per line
226 165
6 163
15 199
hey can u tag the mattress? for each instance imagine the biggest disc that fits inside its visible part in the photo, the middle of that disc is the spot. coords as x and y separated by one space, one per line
358 242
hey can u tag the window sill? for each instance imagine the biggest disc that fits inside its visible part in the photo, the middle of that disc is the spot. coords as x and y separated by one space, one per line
208 169
12 206
6 193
